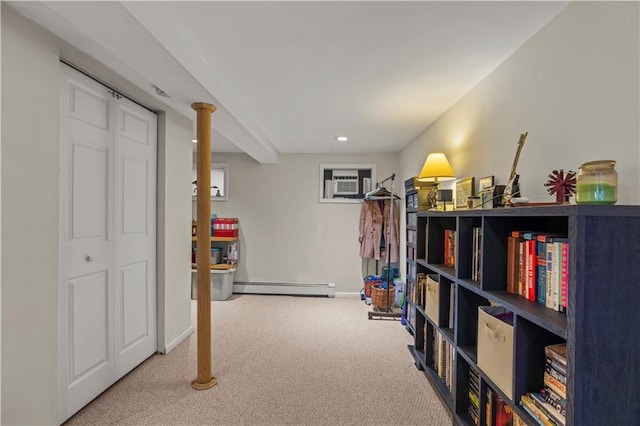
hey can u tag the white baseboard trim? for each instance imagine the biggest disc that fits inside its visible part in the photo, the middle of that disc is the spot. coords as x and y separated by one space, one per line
294 289
178 339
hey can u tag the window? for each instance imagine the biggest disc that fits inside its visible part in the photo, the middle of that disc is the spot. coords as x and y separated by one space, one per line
345 183
219 182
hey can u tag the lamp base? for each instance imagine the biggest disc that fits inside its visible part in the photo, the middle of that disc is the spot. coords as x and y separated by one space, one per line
428 196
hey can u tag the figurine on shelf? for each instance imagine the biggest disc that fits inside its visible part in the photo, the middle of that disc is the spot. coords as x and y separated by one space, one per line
561 184
512 189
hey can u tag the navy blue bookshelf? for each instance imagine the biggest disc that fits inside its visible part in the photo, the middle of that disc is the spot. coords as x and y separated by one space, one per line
601 326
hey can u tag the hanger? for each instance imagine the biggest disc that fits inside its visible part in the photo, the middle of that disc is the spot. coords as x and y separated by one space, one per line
379 193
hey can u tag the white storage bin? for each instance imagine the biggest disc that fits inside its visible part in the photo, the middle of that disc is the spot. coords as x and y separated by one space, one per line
221 284
495 346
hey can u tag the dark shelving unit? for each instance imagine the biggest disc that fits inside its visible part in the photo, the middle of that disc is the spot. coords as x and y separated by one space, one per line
601 326
412 249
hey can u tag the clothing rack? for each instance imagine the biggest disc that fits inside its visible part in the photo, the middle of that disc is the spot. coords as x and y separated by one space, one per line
381 193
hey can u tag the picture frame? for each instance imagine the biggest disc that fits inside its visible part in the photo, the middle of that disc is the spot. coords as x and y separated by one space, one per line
486 197
464 190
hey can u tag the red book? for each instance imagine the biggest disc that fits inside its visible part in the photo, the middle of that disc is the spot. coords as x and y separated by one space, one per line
532 265
565 276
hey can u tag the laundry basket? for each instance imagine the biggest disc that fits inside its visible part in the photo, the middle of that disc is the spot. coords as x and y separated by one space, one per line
370 282
379 297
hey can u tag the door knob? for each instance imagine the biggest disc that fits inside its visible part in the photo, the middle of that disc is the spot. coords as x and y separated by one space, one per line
88 259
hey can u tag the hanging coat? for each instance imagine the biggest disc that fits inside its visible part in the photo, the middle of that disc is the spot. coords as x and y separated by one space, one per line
371 221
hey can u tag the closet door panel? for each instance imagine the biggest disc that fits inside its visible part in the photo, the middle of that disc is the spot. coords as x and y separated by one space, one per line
135 224
89 328
89 103
135 124
85 320
135 305
89 191
133 208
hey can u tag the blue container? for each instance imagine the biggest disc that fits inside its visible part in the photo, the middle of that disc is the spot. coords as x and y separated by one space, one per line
216 255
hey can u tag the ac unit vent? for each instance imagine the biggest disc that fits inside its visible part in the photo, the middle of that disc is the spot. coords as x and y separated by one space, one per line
346 185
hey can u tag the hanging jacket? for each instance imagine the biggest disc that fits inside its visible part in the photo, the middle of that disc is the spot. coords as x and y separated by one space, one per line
371 221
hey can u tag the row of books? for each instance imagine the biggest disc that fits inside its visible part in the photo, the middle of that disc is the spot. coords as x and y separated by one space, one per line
409 296
476 258
412 236
549 406
420 294
450 247
443 358
474 395
538 267
412 219
499 413
411 253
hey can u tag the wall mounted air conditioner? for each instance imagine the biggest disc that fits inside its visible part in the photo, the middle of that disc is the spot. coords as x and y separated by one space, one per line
345 182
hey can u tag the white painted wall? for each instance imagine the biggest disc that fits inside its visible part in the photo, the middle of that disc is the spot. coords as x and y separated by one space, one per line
30 133
30 140
0 216
286 235
574 86
174 229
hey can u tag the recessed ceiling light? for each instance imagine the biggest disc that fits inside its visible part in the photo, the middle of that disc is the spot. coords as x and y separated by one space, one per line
194 140
342 138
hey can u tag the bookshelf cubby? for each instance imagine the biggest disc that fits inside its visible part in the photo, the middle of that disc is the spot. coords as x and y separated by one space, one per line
601 326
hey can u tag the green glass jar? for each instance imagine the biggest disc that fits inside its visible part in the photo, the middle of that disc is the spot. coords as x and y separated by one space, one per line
597 183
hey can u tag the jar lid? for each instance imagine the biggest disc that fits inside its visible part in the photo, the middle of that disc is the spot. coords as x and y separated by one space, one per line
598 164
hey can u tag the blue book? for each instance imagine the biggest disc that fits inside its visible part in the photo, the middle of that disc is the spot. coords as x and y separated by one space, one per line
541 277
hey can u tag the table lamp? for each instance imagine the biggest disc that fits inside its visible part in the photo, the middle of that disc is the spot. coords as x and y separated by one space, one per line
436 169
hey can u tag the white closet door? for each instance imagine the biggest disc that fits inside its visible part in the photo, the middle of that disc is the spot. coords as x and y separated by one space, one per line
107 306
86 295
135 231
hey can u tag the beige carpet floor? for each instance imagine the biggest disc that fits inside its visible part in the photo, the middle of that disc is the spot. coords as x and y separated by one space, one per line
280 360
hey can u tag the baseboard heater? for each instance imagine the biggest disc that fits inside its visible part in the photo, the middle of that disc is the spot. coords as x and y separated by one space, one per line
293 289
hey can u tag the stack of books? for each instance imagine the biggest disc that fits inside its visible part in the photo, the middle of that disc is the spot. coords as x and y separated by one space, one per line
443 357
550 405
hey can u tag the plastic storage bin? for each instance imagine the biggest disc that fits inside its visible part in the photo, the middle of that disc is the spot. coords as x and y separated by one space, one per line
221 284
225 227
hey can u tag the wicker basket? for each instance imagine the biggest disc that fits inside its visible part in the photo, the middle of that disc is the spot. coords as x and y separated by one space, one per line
379 297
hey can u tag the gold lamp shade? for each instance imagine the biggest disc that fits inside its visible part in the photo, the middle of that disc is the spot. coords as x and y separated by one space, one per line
436 168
